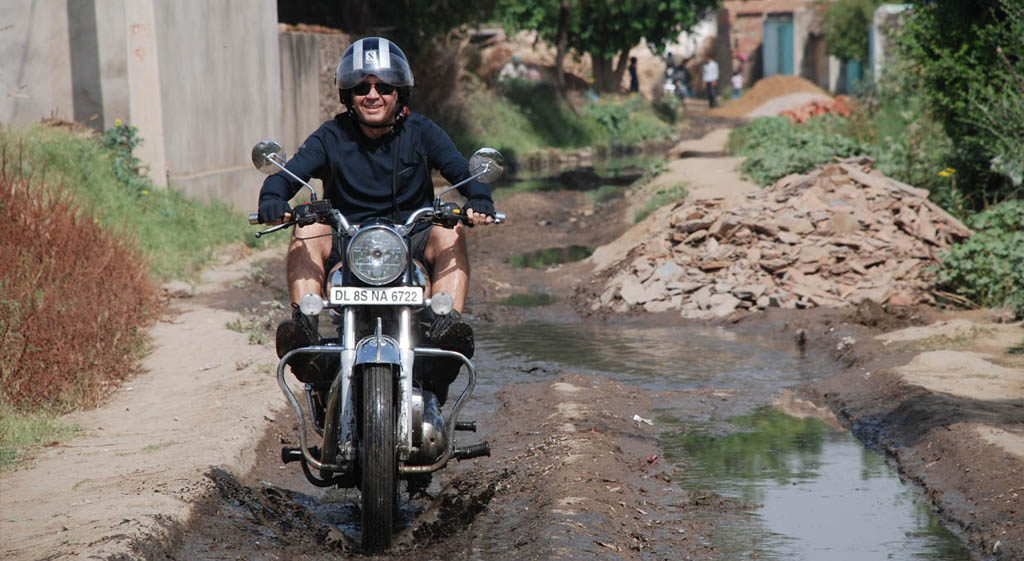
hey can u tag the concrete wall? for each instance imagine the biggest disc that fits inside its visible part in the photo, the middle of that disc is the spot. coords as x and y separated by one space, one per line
885 19
201 79
221 88
35 61
301 68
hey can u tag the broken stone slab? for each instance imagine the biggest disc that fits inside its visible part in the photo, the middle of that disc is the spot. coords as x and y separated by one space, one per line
794 225
632 292
749 291
696 237
682 287
774 265
667 271
726 306
709 266
788 237
656 306
702 298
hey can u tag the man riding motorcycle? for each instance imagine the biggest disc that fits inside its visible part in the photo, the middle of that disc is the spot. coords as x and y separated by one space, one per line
375 160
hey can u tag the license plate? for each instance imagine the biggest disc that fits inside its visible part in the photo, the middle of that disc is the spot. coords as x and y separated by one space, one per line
390 296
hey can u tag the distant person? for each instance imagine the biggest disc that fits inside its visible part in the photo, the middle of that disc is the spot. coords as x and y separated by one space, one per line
685 77
737 84
634 81
669 60
709 74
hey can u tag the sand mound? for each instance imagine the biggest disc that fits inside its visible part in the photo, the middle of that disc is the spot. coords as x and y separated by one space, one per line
765 90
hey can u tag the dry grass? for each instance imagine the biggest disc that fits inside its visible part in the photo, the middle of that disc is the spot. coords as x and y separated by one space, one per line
74 298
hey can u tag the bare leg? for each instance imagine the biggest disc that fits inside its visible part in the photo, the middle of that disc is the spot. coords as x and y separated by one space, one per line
307 256
448 261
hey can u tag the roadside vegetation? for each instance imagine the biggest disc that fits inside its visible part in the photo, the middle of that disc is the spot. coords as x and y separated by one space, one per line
947 116
85 239
520 117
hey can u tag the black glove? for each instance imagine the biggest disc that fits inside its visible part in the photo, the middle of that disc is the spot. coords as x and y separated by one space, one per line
481 205
272 210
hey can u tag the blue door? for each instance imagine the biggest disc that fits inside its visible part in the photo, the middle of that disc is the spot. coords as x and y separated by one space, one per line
777 47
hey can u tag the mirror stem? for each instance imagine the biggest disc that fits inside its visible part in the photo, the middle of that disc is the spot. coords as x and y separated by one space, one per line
464 181
272 158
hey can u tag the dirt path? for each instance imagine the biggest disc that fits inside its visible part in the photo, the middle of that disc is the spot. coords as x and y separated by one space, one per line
572 475
134 474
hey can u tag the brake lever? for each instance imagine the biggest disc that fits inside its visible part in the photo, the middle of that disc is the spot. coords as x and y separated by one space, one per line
275 228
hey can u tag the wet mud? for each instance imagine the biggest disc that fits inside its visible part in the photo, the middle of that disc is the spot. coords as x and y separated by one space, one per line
579 468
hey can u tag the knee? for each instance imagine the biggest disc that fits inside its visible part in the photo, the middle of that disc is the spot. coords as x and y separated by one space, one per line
311 243
445 243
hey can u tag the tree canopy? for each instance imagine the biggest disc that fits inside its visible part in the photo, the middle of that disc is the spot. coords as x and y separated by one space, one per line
605 29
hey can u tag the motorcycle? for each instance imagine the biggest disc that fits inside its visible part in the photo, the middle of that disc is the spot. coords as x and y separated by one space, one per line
377 422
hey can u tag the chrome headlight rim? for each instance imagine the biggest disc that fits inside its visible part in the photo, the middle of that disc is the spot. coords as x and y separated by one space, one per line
396 268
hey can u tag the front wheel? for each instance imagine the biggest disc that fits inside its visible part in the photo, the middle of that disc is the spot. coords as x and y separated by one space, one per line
379 458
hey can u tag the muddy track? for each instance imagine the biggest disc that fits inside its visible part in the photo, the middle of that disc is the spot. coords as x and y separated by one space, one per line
167 471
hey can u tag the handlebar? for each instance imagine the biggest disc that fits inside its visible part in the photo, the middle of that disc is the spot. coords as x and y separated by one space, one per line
254 219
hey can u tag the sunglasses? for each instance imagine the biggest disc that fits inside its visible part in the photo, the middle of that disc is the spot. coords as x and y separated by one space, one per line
364 88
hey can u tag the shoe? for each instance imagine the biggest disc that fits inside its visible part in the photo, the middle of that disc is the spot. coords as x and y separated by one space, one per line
300 331
451 333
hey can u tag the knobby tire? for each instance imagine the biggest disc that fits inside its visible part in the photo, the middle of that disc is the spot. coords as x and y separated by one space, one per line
380 460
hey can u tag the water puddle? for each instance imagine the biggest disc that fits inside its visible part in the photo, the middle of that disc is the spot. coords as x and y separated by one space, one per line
543 258
611 173
820 493
529 300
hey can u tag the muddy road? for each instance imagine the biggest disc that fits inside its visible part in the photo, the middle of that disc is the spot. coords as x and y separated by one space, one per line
642 436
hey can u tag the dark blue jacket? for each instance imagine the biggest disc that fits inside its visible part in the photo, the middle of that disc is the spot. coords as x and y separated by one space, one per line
357 171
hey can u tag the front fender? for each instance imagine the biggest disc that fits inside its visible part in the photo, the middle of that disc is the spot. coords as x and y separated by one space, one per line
378 350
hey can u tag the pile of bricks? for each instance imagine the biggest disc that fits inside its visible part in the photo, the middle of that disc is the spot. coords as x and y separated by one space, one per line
834 237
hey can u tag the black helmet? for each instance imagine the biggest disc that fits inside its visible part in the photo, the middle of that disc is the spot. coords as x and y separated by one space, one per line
373 56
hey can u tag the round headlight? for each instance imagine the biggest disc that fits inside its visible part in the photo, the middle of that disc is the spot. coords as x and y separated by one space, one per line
377 255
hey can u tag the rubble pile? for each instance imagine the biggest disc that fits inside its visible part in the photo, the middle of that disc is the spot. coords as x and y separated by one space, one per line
842 105
833 237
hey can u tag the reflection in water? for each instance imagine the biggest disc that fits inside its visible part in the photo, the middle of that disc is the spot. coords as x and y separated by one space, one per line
530 300
551 256
822 494
653 358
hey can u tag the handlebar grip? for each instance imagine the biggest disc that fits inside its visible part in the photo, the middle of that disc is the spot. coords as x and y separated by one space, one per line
254 218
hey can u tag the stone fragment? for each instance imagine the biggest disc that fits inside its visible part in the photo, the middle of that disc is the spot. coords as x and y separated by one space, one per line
794 225
709 266
726 306
702 298
749 291
632 292
763 302
788 238
841 223
682 287
696 237
667 271
774 265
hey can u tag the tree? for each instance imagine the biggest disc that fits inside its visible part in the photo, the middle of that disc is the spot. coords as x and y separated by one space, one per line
604 30
970 60
847 24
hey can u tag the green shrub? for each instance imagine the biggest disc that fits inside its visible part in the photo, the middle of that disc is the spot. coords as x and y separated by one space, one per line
969 59
176 233
988 268
774 147
659 199
520 117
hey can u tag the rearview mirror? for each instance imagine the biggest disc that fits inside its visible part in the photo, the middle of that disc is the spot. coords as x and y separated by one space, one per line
265 153
489 161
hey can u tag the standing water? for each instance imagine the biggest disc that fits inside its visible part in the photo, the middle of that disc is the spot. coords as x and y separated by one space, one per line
814 492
